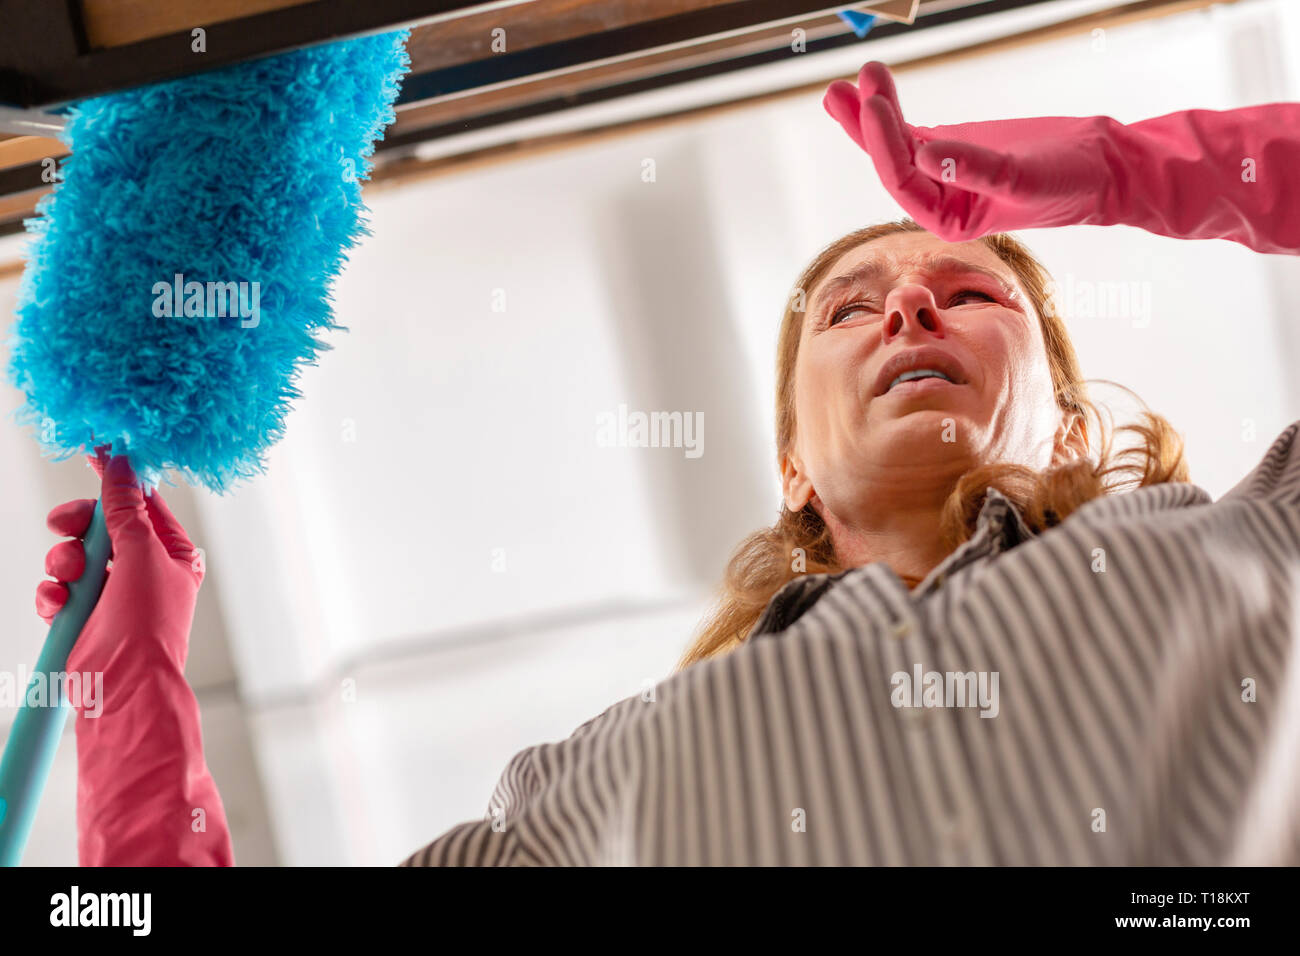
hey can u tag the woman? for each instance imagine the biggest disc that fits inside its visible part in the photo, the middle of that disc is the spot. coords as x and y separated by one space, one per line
965 640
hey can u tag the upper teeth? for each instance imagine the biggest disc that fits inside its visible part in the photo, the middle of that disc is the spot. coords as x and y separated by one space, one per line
919 373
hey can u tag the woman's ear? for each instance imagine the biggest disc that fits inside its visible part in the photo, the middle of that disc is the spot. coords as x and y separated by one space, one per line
1071 439
795 484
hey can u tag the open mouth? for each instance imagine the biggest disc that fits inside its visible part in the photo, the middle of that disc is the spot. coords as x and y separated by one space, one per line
918 375
919 369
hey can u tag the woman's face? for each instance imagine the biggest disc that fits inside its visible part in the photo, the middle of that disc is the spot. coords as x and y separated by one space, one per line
912 302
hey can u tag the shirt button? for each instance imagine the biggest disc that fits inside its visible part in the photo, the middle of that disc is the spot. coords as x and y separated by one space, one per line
902 629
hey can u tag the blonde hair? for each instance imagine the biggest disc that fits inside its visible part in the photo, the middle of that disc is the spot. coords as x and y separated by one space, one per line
761 565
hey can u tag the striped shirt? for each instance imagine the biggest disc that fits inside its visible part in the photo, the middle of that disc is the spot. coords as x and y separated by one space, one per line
1121 689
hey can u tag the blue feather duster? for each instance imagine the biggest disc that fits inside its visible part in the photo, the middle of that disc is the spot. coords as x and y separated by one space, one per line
179 277
177 282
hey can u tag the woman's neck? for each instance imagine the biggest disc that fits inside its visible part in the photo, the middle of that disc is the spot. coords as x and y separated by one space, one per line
908 540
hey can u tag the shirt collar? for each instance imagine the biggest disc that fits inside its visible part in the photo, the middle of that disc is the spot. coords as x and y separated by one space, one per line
999 526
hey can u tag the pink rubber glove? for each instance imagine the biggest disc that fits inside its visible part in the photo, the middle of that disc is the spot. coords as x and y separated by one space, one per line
1196 174
141 775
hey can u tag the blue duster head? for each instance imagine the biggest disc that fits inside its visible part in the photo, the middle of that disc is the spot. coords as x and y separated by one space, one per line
178 278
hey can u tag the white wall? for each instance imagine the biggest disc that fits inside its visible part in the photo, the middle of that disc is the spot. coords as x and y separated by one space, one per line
443 566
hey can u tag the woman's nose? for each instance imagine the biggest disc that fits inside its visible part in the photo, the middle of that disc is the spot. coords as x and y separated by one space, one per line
912 308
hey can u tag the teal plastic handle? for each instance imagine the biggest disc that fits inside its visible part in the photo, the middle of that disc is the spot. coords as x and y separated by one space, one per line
36 732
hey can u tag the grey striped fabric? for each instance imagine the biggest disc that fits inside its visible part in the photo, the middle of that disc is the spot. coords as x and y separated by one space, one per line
1147 709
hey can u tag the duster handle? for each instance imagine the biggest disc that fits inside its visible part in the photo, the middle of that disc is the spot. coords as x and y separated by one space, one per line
37 730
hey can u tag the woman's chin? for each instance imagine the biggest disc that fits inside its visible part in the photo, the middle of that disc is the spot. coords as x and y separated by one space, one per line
928 434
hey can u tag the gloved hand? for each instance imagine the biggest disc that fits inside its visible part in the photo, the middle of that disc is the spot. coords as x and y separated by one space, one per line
1196 174
141 775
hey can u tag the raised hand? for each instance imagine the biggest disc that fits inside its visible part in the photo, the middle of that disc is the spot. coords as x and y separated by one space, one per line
1194 174
144 793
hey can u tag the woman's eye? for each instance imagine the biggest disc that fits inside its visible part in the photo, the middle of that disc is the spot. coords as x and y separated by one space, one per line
848 311
841 314
965 292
